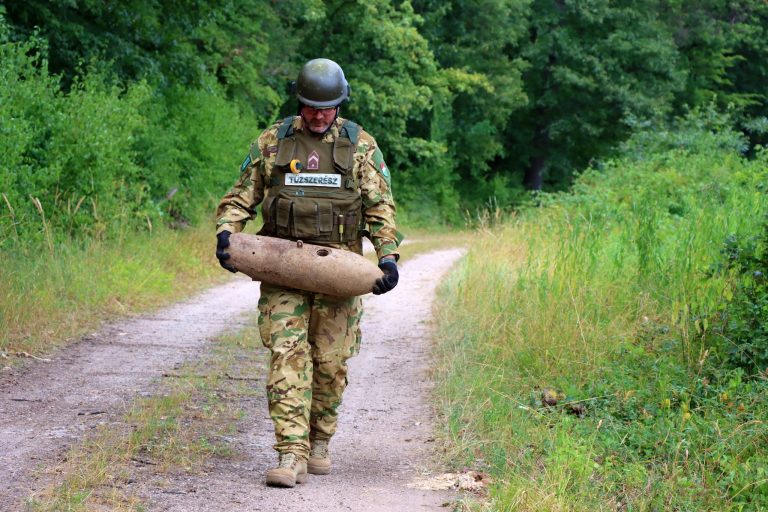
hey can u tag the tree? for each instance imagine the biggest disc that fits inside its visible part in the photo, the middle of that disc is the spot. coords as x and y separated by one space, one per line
397 92
476 39
591 66
243 43
724 47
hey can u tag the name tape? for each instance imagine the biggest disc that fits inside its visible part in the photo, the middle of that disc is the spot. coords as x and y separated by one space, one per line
313 180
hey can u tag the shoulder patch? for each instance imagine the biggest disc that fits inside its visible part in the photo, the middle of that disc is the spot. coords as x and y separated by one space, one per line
245 163
251 157
381 166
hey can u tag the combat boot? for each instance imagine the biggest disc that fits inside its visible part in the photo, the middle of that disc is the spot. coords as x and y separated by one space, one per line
292 470
319 462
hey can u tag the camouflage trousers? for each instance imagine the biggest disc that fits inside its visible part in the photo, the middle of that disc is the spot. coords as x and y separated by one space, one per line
310 336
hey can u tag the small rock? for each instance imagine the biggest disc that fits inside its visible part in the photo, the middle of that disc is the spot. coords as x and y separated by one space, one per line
473 481
577 409
551 397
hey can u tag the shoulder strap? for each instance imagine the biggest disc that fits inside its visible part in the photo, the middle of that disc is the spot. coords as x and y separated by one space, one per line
286 128
351 130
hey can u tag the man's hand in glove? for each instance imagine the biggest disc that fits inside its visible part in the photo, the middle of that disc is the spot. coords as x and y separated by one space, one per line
222 243
389 280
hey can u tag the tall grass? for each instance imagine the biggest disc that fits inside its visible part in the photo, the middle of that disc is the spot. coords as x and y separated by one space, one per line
578 365
48 297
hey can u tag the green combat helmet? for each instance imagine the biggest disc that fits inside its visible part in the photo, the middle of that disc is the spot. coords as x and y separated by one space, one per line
321 84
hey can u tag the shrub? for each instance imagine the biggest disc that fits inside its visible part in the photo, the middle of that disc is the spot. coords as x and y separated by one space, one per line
106 159
742 331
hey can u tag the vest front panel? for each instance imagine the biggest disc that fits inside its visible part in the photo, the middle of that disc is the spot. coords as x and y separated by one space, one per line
319 204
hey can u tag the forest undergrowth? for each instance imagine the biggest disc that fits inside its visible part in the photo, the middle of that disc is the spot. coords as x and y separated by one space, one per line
607 349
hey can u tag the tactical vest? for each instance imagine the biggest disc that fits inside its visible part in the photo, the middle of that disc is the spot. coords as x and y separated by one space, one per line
321 204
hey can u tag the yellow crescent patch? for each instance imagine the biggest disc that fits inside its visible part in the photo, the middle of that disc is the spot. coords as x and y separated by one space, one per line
296 166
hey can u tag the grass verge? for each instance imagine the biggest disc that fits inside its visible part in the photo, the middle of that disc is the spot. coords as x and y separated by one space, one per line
50 297
419 241
586 361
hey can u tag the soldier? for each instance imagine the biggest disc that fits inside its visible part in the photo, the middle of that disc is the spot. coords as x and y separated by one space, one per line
311 335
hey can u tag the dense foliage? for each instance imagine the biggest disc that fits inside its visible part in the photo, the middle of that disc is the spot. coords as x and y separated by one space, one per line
117 115
607 350
638 300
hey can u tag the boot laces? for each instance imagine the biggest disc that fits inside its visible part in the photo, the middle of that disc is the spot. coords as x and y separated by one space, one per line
320 449
287 460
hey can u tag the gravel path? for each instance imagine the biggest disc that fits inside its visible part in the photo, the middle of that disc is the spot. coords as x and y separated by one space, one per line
385 432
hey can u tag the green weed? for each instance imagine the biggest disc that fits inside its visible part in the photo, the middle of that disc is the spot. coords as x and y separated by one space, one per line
581 366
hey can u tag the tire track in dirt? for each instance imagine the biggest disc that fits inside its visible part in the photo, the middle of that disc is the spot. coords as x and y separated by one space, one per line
45 407
385 432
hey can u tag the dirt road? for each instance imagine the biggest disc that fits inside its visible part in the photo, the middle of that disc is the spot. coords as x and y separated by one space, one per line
385 432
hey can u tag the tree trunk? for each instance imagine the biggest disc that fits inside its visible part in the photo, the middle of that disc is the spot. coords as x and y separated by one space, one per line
534 174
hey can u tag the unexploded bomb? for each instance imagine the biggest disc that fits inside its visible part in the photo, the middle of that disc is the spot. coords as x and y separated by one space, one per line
314 268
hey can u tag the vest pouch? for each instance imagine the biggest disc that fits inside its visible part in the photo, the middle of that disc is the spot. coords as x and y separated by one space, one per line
306 219
351 225
283 212
326 215
268 212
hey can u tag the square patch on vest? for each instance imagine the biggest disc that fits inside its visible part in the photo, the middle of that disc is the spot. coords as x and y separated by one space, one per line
313 180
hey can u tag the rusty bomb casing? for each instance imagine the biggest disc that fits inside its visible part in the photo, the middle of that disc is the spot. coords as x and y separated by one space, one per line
314 268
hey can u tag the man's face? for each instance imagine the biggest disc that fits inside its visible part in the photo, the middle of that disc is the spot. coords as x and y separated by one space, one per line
318 120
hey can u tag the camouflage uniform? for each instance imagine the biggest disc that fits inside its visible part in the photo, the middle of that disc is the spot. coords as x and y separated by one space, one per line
310 335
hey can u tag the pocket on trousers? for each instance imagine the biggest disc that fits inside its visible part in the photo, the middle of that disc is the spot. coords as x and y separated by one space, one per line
264 323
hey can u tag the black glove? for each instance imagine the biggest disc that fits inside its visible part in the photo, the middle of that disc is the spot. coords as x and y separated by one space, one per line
223 243
389 280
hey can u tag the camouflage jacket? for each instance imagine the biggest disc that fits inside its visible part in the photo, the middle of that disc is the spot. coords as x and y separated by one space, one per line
238 206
